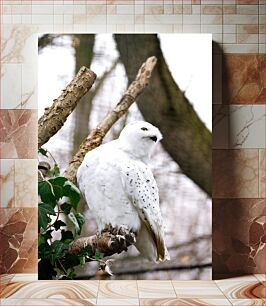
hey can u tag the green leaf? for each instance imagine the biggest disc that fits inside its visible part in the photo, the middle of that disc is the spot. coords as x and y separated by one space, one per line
58 224
45 269
81 220
55 171
74 220
87 251
43 152
46 192
66 208
44 210
57 250
82 260
72 192
66 235
44 251
78 220
58 188
98 255
41 239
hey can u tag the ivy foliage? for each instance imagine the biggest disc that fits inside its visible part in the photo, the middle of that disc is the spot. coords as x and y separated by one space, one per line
59 200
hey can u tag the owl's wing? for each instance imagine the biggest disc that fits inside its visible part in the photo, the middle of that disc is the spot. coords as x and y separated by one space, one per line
142 191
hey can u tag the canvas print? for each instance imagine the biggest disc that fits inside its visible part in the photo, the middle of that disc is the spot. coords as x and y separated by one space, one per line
124 149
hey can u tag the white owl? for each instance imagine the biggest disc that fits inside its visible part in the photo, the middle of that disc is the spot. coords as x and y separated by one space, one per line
120 189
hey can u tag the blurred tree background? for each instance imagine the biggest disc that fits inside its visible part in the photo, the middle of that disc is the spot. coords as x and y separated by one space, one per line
181 163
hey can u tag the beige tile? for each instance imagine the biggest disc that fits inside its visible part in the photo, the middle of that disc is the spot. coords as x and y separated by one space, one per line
209 28
247 9
25 277
21 9
187 10
262 9
42 19
247 29
240 19
229 9
111 10
242 288
238 176
163 19
51 290
247 126
4 280
260 277
195 9
124 9
168 9
178 9
211 9
79 9
211 19
248 302
118 289
123 19
10 86
18 133
49 302
7 181
139 19
197 289
42 9
191 19
117 302
238 279
240 48
247 38
155 289
183 302
153 9
191 28
229 28
229 38
163 28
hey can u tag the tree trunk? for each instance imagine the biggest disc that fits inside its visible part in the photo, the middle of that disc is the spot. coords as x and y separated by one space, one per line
186 138
83 45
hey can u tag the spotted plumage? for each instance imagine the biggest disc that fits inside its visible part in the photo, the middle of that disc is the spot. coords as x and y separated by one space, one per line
120 189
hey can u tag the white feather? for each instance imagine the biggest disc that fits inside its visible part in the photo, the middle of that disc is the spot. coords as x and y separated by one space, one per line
120 189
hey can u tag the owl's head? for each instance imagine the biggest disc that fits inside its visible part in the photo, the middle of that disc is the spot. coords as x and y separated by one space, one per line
140 138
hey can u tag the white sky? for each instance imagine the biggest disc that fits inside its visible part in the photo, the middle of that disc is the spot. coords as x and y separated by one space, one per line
189 57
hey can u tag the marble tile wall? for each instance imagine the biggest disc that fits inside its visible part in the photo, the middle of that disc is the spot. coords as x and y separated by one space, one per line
238 28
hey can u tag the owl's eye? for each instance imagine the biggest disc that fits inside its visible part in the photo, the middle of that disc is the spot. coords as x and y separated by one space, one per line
144 129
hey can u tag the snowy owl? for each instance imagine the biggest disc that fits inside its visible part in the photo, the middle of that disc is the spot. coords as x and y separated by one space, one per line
120 189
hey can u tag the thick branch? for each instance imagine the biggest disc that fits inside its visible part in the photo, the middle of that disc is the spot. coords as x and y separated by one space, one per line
55 116
110 241
96 136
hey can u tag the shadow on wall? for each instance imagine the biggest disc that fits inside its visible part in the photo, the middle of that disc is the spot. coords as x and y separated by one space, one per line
239 215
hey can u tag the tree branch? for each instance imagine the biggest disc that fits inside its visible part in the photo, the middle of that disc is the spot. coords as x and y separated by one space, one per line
110 241
55 116
95 138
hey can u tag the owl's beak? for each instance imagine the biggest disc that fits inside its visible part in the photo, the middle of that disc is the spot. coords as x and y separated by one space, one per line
154 138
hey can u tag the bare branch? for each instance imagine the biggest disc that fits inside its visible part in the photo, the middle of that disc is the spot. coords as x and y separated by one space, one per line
55 116
95 138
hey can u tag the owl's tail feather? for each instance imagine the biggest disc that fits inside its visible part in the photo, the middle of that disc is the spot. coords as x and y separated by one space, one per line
162 252
149 247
